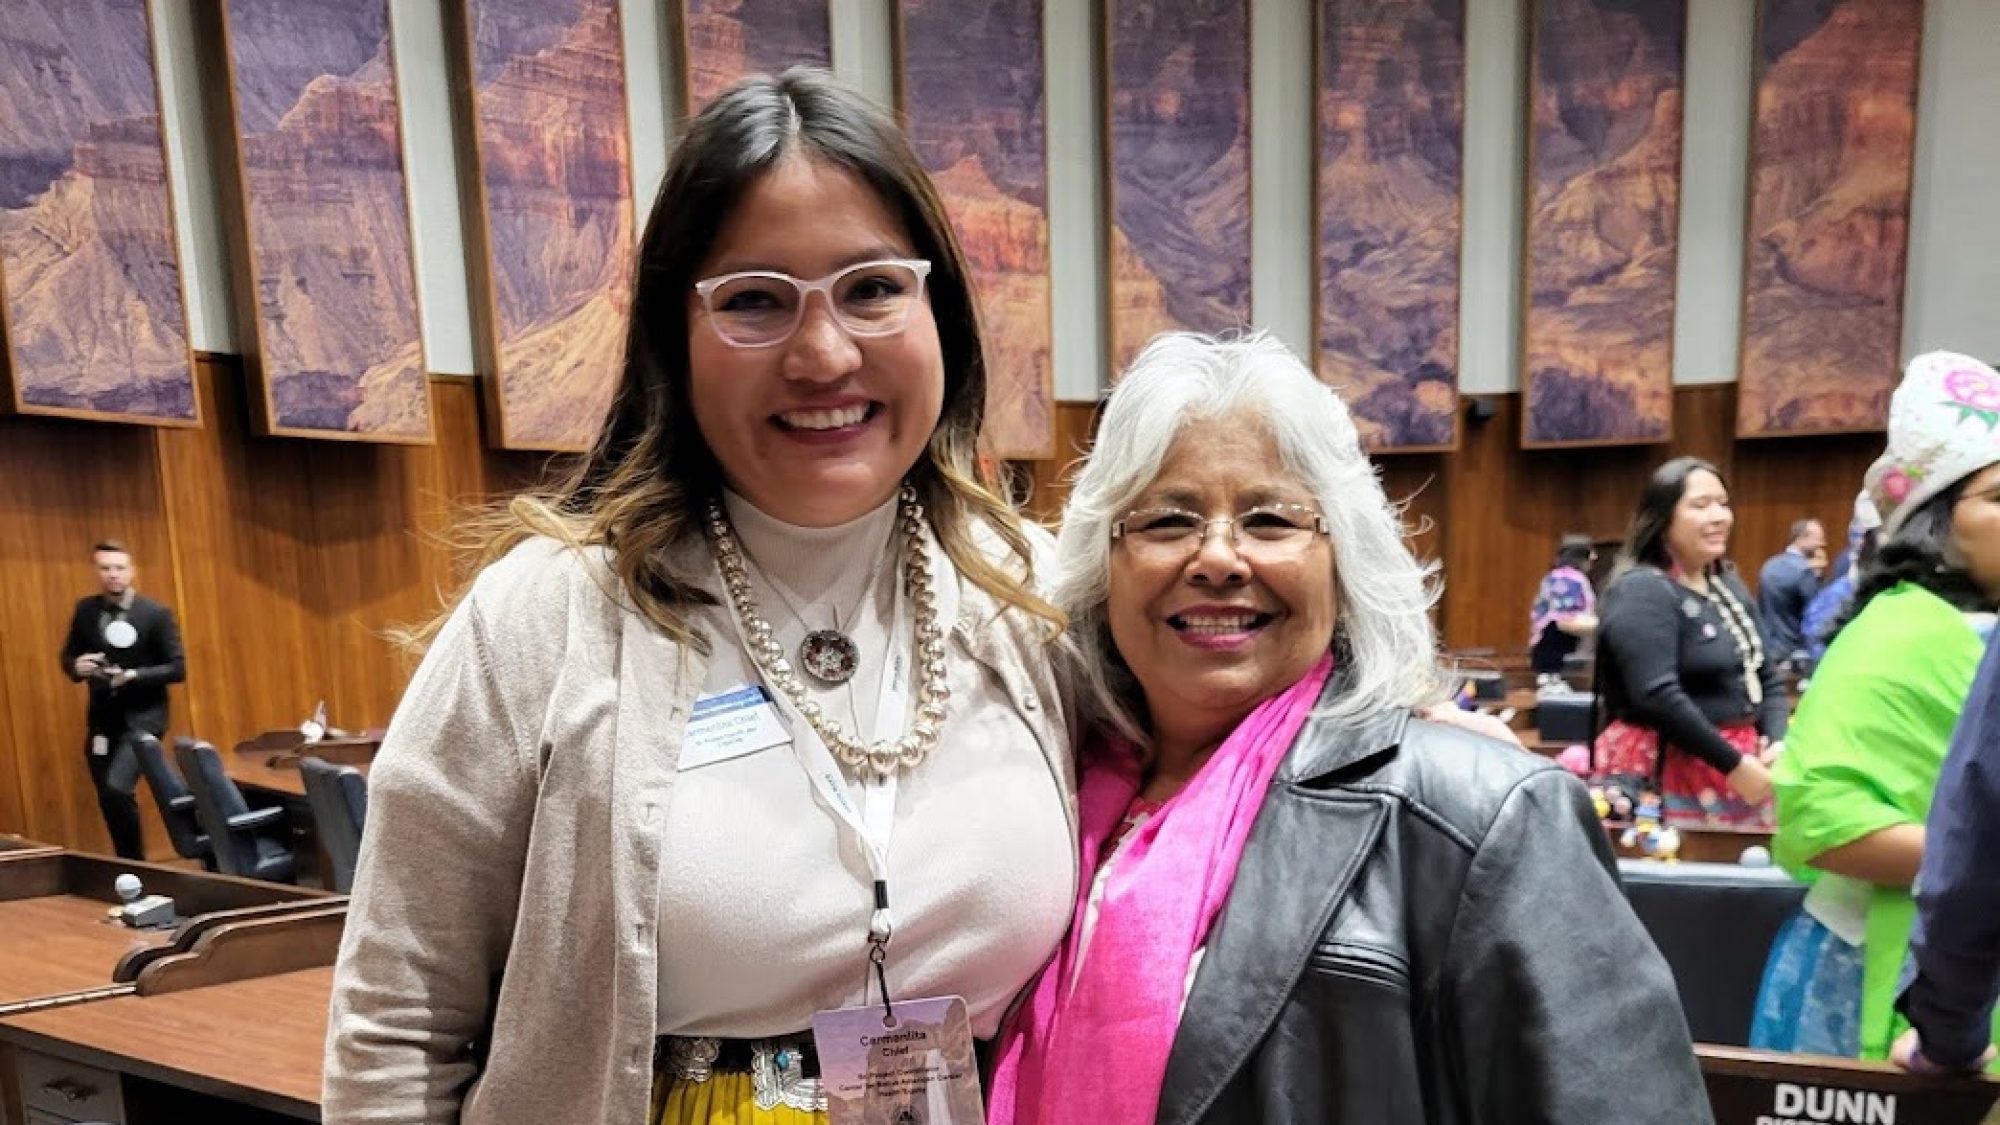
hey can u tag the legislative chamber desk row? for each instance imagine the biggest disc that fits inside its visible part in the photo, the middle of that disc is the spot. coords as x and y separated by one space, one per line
215 1019
221 1019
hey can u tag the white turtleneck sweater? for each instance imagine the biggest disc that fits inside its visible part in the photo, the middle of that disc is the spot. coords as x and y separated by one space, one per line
765 895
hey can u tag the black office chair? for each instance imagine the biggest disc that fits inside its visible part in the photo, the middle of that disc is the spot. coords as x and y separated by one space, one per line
1564 716
1714 923
176 803
338 796
254 843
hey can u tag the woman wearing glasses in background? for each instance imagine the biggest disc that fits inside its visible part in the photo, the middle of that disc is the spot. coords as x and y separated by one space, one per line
1300 902
761 691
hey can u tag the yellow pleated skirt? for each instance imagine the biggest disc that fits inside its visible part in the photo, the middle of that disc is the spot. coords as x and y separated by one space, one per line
725 1099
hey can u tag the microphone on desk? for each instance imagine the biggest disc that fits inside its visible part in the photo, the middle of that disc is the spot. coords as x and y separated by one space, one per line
314 728
141 911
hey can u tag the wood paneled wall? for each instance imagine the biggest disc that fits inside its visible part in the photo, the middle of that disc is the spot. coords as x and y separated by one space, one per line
286 560
1492 513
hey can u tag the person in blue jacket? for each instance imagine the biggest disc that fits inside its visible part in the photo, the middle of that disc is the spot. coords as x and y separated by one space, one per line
1955 947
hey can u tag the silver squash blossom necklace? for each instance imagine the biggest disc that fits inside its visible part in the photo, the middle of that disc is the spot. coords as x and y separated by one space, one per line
832 656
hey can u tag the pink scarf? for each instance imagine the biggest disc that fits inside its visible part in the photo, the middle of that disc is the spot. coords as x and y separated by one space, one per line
1097 1050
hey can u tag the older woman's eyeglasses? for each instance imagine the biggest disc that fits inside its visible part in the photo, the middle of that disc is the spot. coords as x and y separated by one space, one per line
1267 531
762 308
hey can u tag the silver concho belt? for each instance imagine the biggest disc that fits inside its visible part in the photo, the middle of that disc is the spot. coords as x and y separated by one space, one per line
777 1068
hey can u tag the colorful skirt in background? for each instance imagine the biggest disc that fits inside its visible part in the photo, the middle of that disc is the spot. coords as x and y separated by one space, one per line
1692 792
1810 998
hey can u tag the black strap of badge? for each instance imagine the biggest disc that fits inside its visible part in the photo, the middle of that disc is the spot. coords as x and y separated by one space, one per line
878 953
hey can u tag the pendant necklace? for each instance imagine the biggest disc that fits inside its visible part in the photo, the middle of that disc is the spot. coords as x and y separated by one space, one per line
883 756
829 656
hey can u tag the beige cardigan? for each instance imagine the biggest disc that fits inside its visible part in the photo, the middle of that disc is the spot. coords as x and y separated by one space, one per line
500 960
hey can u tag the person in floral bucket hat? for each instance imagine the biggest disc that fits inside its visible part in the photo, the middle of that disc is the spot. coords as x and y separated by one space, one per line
1868 742
1944 426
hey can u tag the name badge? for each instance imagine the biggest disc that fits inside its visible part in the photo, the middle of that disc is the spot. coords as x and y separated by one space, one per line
732 724
918 1070
100 745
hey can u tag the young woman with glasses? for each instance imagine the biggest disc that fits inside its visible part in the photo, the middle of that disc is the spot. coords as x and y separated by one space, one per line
756 707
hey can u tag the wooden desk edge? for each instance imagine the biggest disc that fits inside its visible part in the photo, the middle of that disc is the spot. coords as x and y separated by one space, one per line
1749 1062
270 1100
29 1004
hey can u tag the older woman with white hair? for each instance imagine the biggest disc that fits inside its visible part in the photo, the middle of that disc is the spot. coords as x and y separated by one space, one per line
1304 902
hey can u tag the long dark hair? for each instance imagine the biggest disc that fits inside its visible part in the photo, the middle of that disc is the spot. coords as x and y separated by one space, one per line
1575 552
643 484
1919 553
1646 539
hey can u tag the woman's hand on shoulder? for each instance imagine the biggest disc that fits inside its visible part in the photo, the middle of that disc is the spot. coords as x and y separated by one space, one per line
1478 722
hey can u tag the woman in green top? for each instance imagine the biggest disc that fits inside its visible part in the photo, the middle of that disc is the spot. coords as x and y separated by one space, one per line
1869 739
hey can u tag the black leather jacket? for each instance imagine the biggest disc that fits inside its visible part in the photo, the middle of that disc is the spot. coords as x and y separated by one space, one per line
1427 928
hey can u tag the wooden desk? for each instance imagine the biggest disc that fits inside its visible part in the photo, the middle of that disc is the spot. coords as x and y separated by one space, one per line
225 1026
1700 845
1746 1087
13 847
251 1043
56 943
60 944
276 777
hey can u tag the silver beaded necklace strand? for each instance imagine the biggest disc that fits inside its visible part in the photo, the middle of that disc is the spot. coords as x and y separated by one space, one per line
883 756
1749 646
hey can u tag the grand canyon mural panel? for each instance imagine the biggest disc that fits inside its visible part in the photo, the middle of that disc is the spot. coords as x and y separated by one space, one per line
1178 100
338 350
1391 119
96 323
971 84
1603 221
555 180
727 39
1829 214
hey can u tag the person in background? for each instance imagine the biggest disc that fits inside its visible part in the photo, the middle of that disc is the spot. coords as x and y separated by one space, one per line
1870 736
1696 706
1565 610
127 648
1955 946
1786 586
1830 604
1301 903
762 692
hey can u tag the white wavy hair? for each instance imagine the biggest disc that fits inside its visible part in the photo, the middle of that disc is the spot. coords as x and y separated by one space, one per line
1382 632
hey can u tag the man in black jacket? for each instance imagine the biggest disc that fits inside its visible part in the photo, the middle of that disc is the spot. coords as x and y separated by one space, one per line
128 649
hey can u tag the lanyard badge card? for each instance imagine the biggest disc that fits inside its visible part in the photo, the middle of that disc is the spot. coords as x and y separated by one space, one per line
899 1062
910 1063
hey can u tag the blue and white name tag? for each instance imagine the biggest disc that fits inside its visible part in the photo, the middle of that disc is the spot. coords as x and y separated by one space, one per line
731 724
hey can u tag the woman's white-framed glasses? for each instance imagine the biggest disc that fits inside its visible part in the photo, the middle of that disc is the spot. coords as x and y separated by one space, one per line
1267 531
762 308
